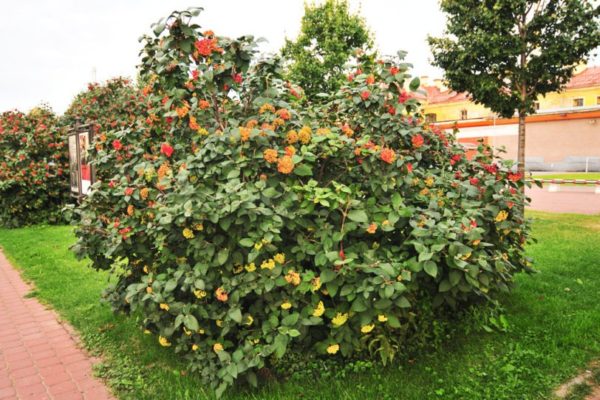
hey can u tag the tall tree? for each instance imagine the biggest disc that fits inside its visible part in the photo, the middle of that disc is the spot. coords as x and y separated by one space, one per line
329 37
506 53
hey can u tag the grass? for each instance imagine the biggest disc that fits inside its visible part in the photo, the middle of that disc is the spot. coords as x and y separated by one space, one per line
594 176
553 329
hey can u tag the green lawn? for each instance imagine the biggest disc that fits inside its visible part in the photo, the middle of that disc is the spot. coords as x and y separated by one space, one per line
553 315
571 175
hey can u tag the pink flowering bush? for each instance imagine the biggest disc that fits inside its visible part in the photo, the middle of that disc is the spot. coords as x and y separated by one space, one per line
33 168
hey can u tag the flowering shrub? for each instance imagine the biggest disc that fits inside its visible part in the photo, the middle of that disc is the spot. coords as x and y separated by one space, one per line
33 168
240 225
115 104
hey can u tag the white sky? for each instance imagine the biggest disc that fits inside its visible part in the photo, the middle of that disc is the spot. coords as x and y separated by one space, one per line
50 48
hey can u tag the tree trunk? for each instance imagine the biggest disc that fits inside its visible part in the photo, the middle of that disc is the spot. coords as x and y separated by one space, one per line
521 160
521 150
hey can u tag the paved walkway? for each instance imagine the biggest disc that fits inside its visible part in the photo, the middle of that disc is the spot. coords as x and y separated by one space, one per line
39 357
569 199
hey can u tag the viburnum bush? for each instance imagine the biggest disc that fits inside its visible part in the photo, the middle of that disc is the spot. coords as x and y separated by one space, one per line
241 223
33 168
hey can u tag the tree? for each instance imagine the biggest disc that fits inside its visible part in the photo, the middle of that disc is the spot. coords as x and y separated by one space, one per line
506 53
330 36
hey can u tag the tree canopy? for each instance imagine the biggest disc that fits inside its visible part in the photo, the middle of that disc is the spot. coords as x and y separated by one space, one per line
506 53
330 36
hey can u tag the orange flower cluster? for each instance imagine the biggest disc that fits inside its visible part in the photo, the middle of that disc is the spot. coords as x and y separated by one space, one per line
270 155
221 295
387 155
285 165
193 123
245 134
284 114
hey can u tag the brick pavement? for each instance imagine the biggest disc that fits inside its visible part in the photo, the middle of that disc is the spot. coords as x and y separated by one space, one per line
39 356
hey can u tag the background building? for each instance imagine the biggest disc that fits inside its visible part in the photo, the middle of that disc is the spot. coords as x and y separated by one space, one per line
563 135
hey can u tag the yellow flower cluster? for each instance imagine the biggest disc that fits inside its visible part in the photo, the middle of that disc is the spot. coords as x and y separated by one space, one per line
332 349
323 131
304 134
319 309
339 319
286 305
217 347
188 233
315 284
382 318
268 264
250 267
429 181
266 107
502 215
164 341
199 293
292 137
367 328
144 193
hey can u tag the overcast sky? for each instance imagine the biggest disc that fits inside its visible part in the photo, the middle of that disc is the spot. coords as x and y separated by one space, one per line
52 49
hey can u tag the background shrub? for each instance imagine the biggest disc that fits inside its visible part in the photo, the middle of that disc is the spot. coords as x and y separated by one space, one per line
239 225
33 168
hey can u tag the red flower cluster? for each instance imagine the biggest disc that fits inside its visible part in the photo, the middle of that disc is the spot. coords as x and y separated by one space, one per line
417 141
117 144
365 95
205 47
403 97
166 149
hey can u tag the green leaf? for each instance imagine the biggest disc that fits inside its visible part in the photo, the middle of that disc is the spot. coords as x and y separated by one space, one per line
358 216
328 275
303 170
170 285
191 322
222 256
431 268
246 242
236 315
414 84
280 345
291 319
396 201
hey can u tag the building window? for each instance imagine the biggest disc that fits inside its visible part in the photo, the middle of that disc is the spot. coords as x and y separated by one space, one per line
463 114
578 102
536 105
431 118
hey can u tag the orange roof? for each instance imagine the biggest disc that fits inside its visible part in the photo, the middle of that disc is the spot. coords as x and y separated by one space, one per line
587 78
